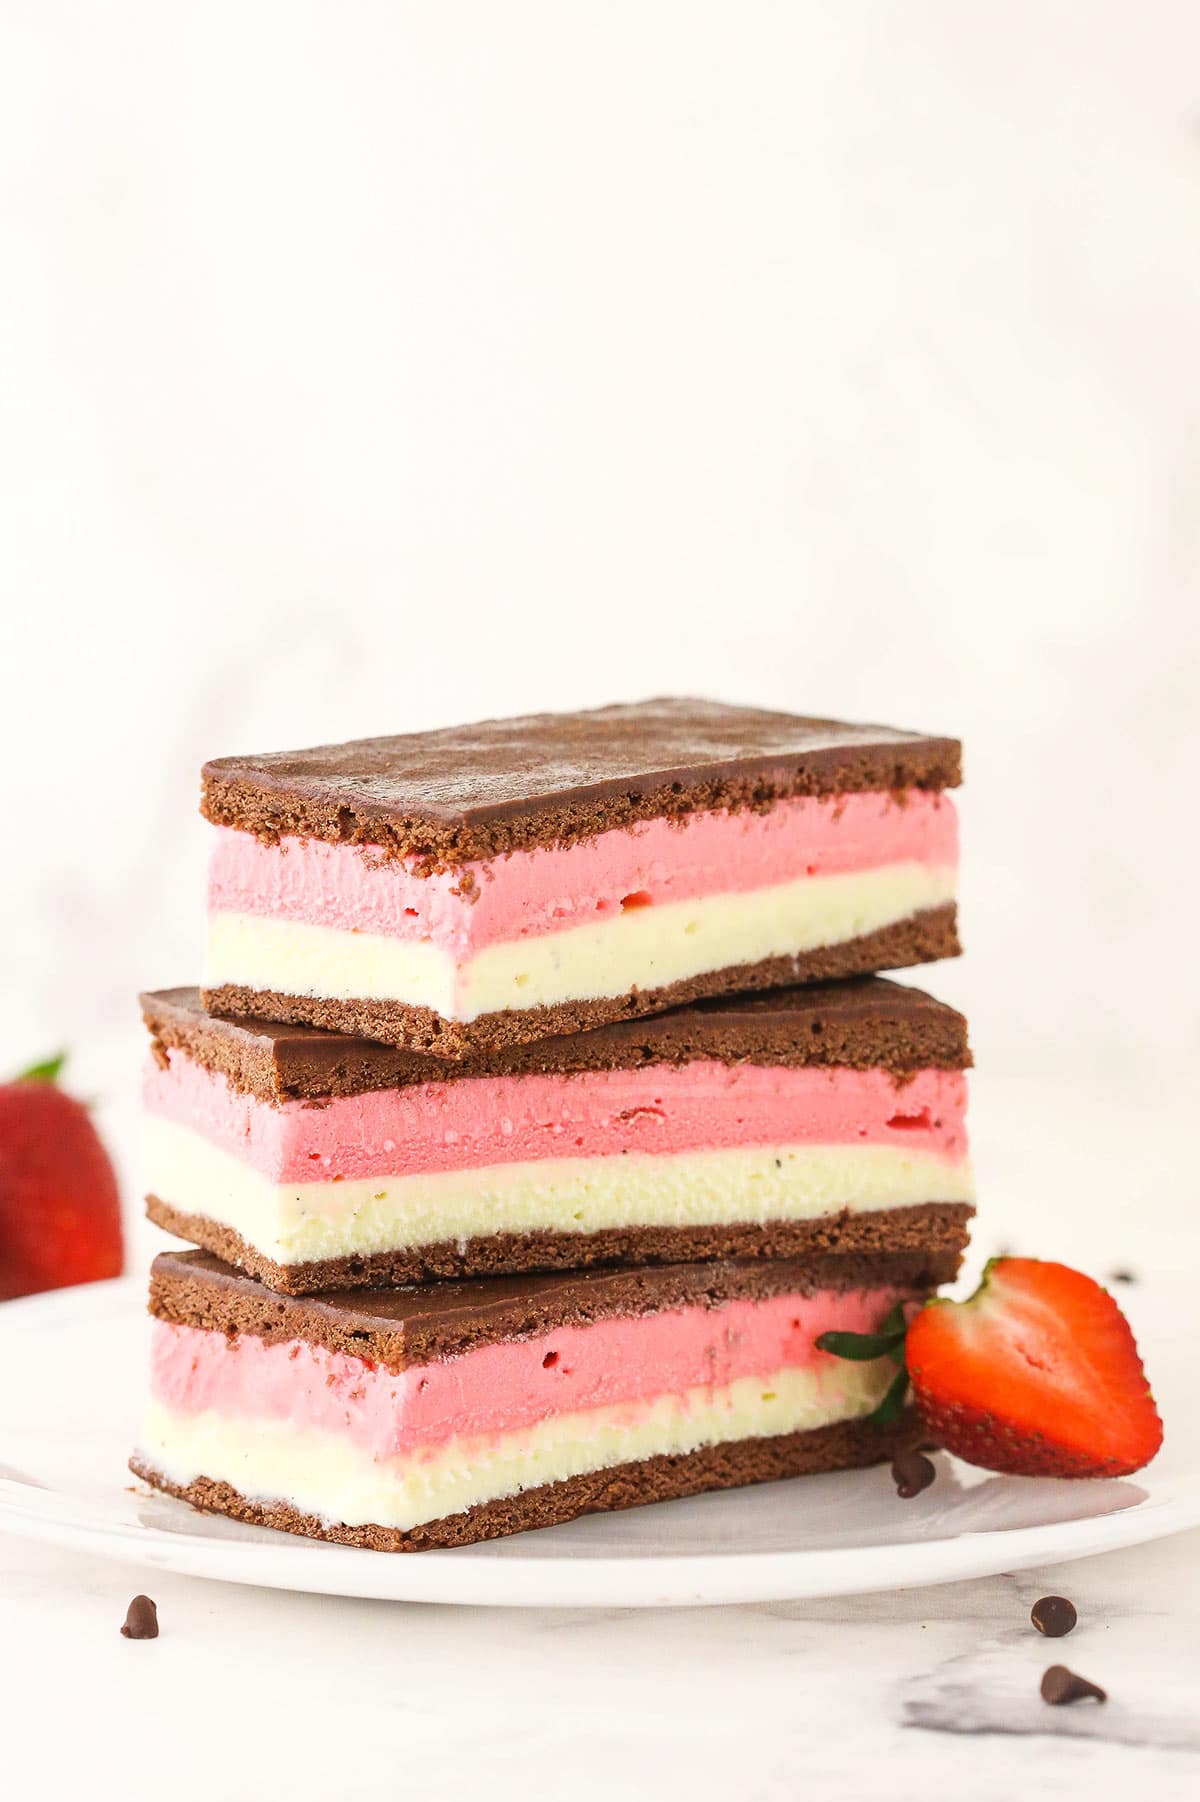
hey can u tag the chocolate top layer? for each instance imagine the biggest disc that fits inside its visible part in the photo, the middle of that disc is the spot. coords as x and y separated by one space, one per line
868 1024
402 1327
478 791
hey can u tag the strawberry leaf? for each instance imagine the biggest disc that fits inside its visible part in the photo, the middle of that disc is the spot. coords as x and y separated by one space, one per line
892 1405
860 1348
49 1070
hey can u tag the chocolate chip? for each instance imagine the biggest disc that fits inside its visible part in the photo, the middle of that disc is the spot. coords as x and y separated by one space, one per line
1060 1685
141 1622
1053 1616
912 1472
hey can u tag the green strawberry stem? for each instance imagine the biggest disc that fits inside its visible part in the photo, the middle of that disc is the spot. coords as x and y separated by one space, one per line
892 1406
49 1070
863 1348
860 1348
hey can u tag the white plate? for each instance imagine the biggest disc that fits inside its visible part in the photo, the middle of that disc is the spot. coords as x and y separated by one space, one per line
66 1427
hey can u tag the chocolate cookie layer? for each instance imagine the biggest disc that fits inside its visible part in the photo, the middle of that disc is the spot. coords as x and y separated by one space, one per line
401 1327
478 791
846 1445
935 1229
923 938
863 1025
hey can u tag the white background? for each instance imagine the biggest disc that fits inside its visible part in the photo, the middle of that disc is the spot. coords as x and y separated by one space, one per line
369 366
374 366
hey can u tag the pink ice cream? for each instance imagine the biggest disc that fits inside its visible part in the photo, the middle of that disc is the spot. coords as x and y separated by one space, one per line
479 1121
530 893
503 1387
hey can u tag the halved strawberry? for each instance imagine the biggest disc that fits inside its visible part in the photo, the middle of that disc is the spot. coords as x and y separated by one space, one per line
1036 1374
60 1214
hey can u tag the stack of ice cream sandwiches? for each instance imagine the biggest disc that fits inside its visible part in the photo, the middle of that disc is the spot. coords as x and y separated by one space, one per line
541 1110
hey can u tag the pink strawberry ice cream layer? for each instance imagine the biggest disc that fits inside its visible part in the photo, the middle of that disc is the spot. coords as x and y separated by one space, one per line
480 1121
500 1388
530 893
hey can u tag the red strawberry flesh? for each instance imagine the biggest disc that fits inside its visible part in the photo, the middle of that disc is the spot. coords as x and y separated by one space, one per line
1036 1374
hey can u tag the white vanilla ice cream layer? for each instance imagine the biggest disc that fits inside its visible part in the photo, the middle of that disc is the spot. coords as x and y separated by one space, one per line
649 947
325 1474
298 1222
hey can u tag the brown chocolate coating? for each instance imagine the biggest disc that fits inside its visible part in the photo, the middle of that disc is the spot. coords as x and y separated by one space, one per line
927 1227
479 791
847 1445
402 1327
871 1024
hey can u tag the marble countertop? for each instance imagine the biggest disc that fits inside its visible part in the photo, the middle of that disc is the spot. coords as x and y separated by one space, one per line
251 1694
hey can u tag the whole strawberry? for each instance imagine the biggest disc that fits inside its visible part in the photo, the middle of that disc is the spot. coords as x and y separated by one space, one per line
1036 1374
60 1215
